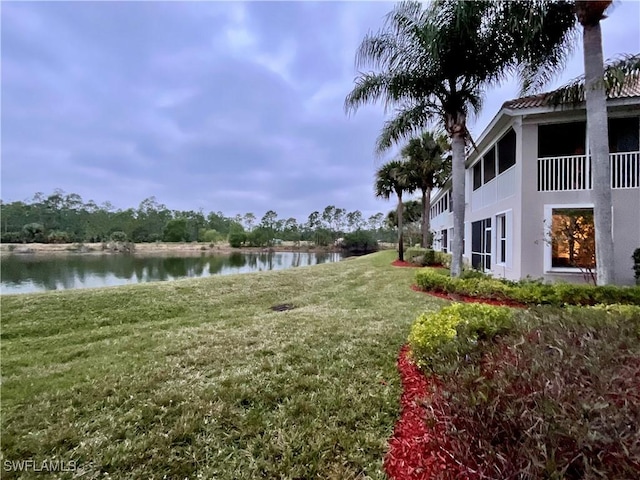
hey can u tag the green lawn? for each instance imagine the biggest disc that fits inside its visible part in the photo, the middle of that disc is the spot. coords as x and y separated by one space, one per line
200 379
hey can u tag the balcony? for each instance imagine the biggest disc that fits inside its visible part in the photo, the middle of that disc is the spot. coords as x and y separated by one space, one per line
570 173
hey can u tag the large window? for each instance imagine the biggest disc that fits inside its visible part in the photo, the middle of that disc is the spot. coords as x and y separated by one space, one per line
507 151
481 244
561 139
572 238
624 135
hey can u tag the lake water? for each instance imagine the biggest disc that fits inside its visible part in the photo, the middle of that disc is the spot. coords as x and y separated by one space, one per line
30 273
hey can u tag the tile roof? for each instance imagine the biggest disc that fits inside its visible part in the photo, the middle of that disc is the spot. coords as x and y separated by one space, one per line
542 100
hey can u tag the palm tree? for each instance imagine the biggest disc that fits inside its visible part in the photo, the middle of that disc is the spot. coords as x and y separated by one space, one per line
392 178
434 62
428 170
589 15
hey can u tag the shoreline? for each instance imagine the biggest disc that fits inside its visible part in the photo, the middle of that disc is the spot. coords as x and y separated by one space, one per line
152 249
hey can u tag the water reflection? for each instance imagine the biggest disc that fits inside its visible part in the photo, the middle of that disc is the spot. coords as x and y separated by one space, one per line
29 273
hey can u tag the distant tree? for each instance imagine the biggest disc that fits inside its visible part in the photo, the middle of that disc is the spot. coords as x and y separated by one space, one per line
176 230
118 236
354 220
428 169
392 178
339 220
249 221
374 222
33 232
328 215
237 235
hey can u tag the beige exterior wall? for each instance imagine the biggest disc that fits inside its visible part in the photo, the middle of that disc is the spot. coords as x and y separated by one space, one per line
530 254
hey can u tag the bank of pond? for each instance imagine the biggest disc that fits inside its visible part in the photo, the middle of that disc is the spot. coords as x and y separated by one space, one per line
35 273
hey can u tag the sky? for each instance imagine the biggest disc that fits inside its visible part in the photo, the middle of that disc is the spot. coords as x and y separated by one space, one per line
220 106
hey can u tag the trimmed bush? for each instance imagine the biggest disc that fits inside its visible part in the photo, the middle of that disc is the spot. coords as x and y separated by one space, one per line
527 292
421 256
455 331
636 265
443 259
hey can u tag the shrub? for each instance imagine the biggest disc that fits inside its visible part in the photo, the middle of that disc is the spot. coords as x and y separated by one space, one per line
444 259
33 232
58 237
175 230
211 236
360 241
432 280
636 264
237 239
455 331
118 236
553 398
421 256
527 291
11 237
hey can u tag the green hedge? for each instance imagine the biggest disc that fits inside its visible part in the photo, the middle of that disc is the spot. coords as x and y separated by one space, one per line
425 257
454 331
528 292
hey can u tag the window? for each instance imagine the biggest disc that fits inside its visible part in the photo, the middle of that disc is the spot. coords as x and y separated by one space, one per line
501 220
450 196
561 139
624 135
481 244
444 241
507 151
489 162
572 238
477 175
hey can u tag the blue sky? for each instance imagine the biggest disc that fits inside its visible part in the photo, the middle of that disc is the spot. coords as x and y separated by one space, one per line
224 106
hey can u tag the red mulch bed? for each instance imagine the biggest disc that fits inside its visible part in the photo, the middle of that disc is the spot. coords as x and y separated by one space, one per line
465 298
410 455
398 263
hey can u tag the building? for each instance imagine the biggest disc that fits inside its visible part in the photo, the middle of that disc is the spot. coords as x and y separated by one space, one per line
529 207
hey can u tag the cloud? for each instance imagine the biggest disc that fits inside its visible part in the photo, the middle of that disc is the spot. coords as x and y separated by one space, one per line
225 106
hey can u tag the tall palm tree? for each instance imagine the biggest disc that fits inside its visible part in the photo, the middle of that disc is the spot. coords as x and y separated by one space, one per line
589 15
392 178
428 169
434 62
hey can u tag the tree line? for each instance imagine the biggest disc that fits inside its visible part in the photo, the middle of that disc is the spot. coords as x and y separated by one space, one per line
66 218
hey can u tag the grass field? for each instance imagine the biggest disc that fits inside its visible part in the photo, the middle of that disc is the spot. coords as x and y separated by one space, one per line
201 379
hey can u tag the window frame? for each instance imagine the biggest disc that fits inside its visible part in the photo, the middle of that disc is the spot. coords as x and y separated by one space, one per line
548 225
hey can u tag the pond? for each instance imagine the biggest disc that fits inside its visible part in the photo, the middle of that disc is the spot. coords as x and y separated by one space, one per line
31 273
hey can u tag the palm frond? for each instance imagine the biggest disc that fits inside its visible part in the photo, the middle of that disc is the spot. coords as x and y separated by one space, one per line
620 72
407 122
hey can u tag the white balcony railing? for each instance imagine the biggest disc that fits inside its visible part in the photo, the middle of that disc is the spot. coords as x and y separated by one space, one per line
625 170
557 174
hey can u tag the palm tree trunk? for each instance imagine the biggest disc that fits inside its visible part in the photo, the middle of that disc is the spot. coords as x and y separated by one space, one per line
400 228
597 132
426 220
457 181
